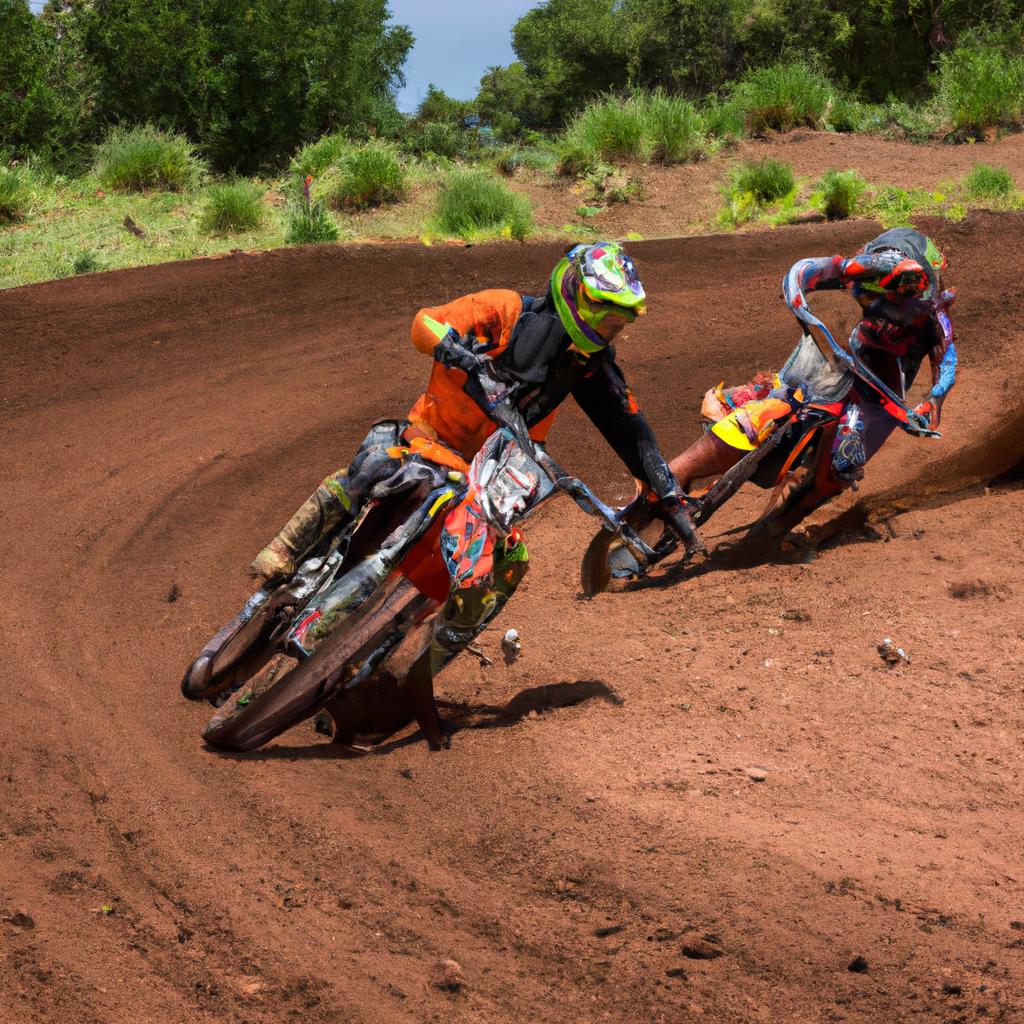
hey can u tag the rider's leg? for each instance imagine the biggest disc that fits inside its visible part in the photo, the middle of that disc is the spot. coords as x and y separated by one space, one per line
707 456
337 500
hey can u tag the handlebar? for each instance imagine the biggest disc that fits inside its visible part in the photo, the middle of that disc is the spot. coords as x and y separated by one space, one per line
507 416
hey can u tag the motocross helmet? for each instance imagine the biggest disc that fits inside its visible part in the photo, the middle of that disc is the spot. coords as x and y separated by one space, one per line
912 245
588 283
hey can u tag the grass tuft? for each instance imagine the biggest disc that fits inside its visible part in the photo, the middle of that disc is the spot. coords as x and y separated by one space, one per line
308 221
783 96
767 179
675 129
987 182
981 88
141 158
368 176
839 192
17 192
474 204
232 206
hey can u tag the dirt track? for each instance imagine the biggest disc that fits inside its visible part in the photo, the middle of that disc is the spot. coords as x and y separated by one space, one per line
595 812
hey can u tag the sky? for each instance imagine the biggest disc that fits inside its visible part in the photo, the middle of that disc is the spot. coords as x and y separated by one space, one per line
456 42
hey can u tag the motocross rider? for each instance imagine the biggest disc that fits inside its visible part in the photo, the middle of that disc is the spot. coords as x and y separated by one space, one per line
489 348
896 280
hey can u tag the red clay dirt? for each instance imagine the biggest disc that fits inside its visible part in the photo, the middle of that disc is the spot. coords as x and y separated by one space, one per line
596 845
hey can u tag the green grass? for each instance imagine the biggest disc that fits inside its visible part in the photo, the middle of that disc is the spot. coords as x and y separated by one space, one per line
753 186
981 88
17 192
370 175
143 158
987 182
437 138
676 130
309 222
232 206
609 130
475 204
782 97
838 193
647 126
767 179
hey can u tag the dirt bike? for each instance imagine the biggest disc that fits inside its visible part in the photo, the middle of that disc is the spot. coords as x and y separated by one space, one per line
794 462
342 632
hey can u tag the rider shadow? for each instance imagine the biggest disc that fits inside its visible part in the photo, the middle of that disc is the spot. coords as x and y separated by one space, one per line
458 716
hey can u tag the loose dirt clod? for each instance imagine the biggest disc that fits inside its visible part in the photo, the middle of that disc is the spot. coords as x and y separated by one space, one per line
449 977
858 965
701 947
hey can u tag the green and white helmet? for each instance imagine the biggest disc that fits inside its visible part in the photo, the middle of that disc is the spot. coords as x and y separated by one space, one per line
588 283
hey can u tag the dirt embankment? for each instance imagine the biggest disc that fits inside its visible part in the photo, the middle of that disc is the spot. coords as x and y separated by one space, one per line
697 802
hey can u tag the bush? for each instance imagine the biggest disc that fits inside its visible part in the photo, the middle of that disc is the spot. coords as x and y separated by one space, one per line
309 221
474 203
981 87
839 192
17 192
232 206
783 96
368 176
315 157
986 182
675 129
136 159
766 180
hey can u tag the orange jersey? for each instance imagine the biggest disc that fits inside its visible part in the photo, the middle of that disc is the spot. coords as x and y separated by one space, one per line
444 411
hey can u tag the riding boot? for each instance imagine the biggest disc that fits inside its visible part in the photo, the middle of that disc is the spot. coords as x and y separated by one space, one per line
707 456
325 508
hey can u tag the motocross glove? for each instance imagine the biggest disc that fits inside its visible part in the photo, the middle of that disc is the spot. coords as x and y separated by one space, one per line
672 512
918 419
930 412
482 384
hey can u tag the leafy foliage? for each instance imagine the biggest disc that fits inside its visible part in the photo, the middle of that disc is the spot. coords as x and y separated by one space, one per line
248 82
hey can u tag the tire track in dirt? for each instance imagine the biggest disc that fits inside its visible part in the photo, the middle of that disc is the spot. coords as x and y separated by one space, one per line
160 424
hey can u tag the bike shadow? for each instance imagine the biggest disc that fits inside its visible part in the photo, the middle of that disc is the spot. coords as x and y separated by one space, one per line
458 716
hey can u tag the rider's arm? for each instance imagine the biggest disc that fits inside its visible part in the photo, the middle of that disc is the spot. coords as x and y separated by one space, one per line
603 395
488 316
943 358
